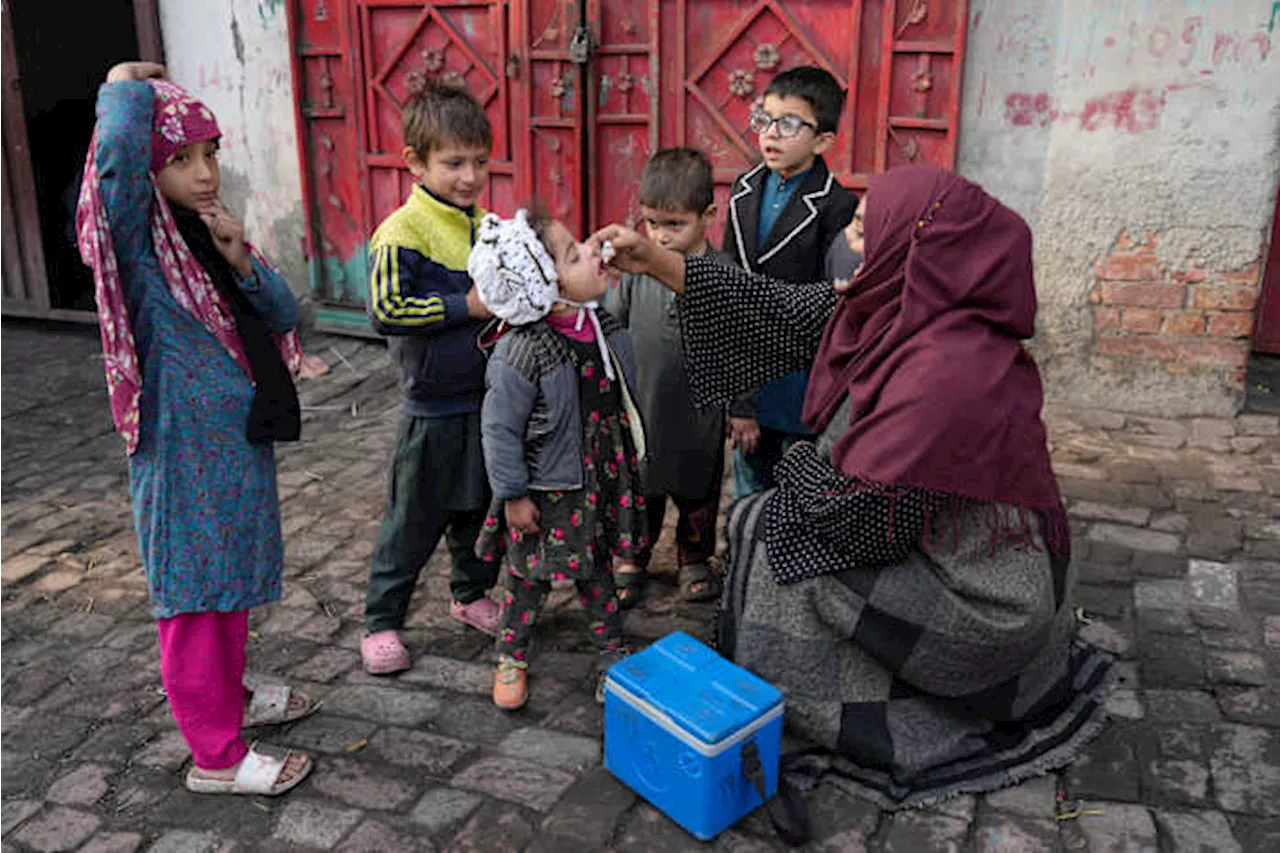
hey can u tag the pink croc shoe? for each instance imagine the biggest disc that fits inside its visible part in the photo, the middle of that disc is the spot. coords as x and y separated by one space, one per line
383 653
481 614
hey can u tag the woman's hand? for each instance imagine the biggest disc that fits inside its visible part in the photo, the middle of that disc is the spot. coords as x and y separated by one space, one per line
635 253
842 285
522 515
135 71
228 237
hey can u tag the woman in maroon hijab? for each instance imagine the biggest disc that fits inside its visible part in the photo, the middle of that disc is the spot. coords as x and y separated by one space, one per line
908 582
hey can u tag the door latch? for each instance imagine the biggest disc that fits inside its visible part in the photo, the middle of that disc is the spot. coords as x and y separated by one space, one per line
580 46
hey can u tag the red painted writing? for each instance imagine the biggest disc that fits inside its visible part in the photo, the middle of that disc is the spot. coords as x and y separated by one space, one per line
1131 110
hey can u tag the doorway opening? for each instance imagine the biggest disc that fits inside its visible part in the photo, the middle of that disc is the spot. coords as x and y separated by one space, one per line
60 69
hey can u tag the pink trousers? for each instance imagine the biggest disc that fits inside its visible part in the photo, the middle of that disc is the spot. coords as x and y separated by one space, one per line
202 659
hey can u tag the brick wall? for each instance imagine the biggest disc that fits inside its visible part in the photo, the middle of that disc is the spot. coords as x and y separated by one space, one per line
1188 320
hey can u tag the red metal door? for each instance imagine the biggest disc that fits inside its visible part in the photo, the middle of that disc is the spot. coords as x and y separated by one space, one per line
1266 337
548 57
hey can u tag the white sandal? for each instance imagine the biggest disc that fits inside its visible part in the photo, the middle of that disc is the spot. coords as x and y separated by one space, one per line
270 706
258 774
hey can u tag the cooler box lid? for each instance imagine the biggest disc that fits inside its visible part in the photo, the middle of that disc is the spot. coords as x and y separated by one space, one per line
701 693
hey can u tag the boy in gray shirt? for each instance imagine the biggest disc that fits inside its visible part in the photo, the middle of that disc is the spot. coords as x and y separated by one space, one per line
685 458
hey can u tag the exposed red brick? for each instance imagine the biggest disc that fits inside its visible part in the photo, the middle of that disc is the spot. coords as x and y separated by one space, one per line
1144 295
1233 325
1118 346
1123 266
1222 353
1193 275
1247 276
1142 320
1224 298
1183 323
1106 319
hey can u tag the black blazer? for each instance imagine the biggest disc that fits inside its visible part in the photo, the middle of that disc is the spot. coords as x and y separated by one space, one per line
795 249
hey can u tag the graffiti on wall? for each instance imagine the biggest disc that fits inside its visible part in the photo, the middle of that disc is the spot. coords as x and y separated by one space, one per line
1187 52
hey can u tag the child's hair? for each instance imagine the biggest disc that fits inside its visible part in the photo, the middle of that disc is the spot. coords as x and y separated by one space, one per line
441 114
817 87
678 178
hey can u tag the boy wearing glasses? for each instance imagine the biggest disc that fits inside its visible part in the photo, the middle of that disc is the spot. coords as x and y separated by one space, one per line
783 216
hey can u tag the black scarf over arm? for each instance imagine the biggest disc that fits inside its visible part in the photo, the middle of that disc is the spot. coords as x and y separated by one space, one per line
274 414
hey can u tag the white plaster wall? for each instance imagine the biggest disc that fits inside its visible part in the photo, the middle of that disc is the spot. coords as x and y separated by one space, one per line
234 54
1195 160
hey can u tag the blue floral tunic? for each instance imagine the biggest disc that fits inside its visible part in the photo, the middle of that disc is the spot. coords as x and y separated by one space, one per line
204 499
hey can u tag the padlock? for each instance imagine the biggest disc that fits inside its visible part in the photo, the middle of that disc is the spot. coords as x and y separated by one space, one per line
580 46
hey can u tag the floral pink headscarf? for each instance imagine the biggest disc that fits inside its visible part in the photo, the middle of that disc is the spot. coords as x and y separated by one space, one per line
179 119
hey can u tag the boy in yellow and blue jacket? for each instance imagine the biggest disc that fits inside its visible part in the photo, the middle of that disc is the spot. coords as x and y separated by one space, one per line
422 299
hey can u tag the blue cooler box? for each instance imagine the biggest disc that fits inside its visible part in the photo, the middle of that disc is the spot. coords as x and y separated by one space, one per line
677 718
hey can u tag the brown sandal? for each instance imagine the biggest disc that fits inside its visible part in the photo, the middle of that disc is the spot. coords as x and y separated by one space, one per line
699 573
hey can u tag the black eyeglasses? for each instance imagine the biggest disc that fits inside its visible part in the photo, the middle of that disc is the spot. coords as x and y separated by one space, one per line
788 125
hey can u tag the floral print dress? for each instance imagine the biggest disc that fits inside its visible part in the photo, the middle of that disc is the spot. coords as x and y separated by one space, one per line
581 530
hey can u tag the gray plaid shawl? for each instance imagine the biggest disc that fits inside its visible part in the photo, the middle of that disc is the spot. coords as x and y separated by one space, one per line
940 675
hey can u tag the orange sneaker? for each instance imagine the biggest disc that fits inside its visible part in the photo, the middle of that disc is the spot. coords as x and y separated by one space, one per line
510 685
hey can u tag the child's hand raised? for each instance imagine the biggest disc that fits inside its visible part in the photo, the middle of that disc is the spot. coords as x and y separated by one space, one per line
523 515
135 71
228 237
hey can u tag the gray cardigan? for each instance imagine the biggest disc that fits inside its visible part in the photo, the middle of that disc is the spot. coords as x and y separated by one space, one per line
531 421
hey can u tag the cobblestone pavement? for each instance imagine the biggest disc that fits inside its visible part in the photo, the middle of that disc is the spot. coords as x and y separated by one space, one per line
1178 538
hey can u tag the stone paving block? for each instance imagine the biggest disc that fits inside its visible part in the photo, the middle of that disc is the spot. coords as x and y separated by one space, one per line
913 831
1161 595
1259 706
383 705
1172 662
529 785
1135 538
1256 833
441 808
57 829
168 751
377 837
1234 638
589 810
17 568
497 828
360 784
1164 622
323 733
1181 706
1125 704
732 841
1200 830
432 754
14 812
448 674
552 749
1118 829
184 841
1215 593
1109 767
83 786
1271 631
113 842
1134 516
644 829
1174 764
1105 636
1237 668
314 824
83 626
327 664
476 720
1003 833
1036 798
1245 761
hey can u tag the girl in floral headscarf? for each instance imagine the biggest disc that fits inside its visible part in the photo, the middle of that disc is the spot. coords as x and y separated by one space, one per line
199 346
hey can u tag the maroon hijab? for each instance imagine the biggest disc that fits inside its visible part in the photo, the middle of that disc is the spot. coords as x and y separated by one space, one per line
927 346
